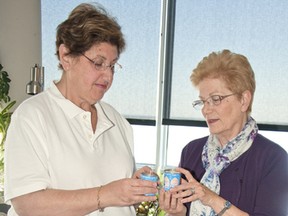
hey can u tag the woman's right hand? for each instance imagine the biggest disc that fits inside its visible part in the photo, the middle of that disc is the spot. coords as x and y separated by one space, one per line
123 192
126 192
171 205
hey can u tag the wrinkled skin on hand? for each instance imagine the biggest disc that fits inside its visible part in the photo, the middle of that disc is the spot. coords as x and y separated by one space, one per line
170 204
130 191
201 192
125 192
173 201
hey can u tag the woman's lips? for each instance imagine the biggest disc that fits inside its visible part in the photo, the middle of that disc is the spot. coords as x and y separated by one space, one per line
211 121
103 86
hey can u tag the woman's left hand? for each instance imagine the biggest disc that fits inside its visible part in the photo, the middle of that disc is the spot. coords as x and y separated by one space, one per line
191 190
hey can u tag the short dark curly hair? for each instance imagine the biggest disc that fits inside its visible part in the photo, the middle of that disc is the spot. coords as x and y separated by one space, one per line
87 25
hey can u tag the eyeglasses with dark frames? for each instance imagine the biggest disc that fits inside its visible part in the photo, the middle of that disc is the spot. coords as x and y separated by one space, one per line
101 66
213 100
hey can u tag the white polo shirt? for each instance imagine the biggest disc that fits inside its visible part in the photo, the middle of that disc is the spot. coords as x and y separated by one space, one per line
51 144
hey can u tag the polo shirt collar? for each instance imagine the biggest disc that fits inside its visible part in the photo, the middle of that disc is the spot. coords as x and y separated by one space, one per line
71 110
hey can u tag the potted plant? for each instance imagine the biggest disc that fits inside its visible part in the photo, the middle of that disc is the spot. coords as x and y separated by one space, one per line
5 116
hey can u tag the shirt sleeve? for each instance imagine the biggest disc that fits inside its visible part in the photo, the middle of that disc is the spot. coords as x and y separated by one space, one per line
25 156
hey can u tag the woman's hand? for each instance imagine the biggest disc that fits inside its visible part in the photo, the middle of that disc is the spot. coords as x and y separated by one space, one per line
128 191
123 192
170 204
191 190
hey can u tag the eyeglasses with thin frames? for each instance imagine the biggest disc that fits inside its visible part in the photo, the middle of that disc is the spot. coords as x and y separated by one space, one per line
101 66
213 100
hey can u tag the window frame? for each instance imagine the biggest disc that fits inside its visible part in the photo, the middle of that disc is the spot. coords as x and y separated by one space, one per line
162 119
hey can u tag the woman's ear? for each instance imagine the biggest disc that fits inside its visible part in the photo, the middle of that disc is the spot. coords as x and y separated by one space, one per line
245 100
64 57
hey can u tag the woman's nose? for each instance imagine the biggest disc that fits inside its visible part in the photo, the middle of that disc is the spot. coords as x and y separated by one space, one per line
207 107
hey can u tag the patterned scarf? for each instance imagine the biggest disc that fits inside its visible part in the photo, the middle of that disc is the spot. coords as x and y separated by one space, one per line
215 159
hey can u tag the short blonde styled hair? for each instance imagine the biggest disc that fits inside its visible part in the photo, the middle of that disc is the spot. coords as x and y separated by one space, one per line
234 69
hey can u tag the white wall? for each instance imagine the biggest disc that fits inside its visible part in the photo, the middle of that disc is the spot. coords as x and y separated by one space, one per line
20 42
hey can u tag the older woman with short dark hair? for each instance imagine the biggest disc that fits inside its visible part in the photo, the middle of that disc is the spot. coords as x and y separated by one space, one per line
67 151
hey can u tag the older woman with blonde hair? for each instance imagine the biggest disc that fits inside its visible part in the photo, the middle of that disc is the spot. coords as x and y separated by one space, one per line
235 170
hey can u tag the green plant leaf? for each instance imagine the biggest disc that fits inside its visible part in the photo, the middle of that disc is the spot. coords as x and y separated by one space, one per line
5 114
